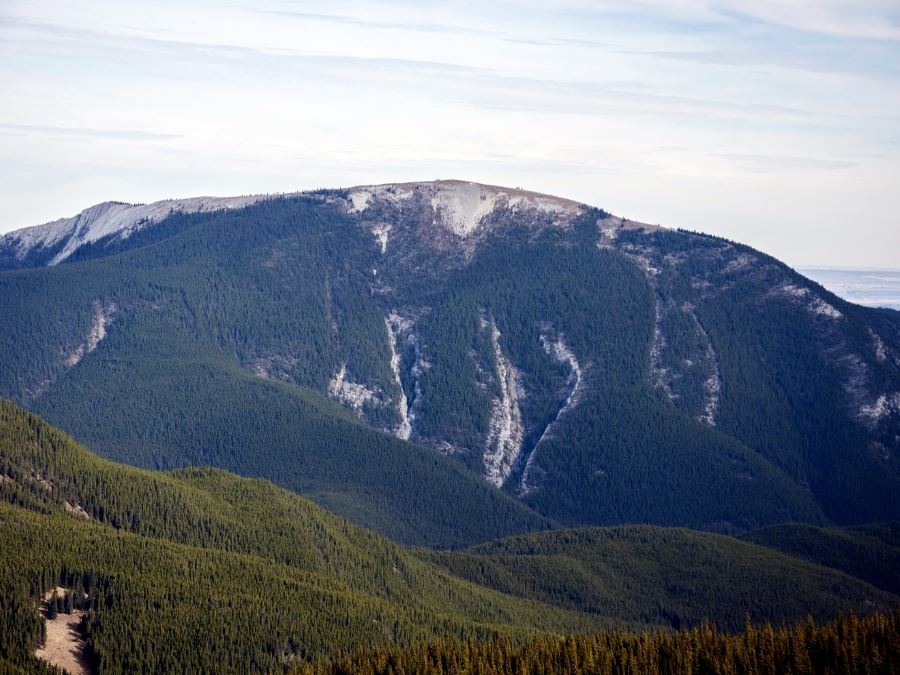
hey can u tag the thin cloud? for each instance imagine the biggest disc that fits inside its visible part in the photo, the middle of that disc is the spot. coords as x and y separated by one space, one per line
84 132
877 20
367 23
480 87
780 162
857 63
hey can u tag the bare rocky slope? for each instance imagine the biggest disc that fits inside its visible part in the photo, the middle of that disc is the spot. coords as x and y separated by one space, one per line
595 369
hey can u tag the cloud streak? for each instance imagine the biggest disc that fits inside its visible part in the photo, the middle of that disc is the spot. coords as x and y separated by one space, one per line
765 163
83 132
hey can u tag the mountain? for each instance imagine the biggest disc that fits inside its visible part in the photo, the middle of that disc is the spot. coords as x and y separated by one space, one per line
497 361
199 570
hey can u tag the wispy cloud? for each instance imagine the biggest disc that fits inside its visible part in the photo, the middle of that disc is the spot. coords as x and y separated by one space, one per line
482 87
781 162
872 63
359 22
83 132
863 19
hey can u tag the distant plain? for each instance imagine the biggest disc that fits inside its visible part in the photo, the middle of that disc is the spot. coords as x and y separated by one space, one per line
870 287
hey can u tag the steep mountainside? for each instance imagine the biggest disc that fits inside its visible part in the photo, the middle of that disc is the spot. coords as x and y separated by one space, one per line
199 570
597 370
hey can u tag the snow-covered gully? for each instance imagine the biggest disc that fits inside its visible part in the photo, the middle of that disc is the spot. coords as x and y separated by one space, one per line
395 325
560 352
505 431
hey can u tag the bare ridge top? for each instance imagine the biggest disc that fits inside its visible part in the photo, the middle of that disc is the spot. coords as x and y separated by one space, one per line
460 206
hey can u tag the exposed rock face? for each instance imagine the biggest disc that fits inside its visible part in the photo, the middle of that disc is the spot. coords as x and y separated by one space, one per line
460 208
558 350
505 431
809 300
103 315
352 394
272 366
884 405
396 325
109 219
712 385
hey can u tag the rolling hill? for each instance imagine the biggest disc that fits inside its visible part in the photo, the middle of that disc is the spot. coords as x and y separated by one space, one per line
199 569
869 552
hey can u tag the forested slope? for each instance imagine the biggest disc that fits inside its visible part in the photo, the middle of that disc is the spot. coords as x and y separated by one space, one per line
869 552
199 570
845 645
391 351
652 575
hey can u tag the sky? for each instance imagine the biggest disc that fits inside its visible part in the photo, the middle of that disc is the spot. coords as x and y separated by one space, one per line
772 123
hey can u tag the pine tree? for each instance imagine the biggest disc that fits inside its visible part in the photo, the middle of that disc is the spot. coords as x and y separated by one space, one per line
52 608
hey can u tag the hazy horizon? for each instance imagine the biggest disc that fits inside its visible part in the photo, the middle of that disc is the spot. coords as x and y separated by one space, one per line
864 287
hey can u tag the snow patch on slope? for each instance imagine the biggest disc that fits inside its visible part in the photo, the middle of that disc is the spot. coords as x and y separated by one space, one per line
112 219
103 315
712 386
812 302
878 346
505 430
884 405
659 374
560 352
666 376
351 394
462 207
381 232
395 325
361 198
459 206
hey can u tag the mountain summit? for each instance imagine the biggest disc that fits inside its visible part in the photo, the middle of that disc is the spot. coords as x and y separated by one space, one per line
458 205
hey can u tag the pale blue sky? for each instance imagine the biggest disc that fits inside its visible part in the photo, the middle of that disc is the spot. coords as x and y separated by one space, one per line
774 123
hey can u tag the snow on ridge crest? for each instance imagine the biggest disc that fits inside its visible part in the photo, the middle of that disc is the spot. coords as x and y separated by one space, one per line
458 205
463 206
113 218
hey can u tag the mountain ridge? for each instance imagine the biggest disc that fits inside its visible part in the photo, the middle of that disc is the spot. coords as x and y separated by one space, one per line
55 241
